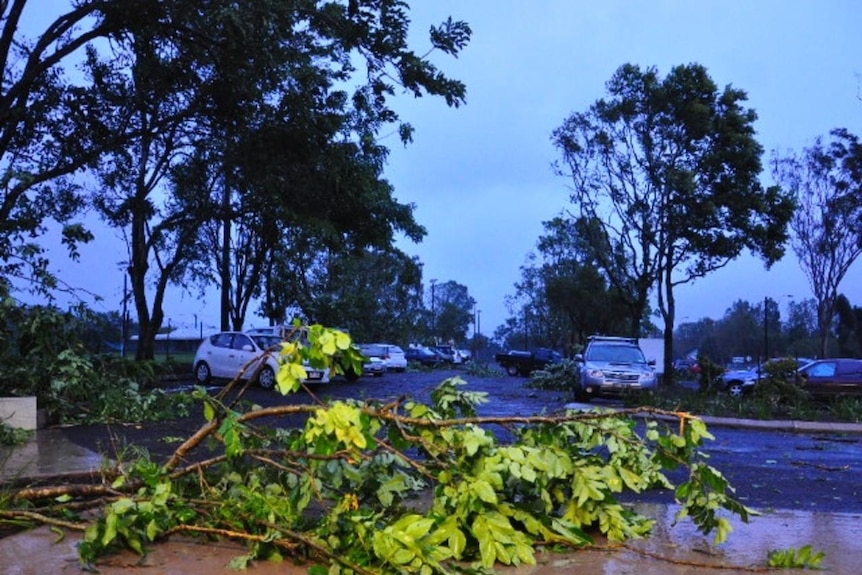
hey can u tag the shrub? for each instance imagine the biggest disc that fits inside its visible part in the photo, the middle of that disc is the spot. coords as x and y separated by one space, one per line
778 385
562 376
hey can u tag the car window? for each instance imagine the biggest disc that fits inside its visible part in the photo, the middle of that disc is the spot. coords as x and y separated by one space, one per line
849 368
371 350
822 369
266 341
240 341
221 339
395 349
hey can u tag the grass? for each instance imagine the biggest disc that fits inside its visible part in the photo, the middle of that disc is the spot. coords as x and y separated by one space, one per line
753 406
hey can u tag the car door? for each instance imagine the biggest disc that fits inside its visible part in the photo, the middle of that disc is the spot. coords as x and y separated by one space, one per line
219 356
848 378
820 378
245 354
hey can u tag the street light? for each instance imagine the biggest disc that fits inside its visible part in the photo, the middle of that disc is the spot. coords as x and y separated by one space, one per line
478 330
433 311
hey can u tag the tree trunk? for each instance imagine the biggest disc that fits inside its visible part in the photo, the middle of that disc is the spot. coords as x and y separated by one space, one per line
224 264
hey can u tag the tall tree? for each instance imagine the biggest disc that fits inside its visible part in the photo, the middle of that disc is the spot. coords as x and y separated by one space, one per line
51 128
376 295
452 312
563 295
258 94
669 169
826 179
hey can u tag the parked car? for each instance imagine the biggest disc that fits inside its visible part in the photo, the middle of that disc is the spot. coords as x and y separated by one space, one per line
393 357
832 377
374 363
228 354
422 356
448 353
687 364
517 362
739 382
613 366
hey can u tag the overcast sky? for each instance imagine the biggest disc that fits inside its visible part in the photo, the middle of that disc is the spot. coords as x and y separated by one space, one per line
480 175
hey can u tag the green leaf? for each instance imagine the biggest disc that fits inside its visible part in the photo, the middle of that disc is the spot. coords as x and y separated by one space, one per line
484 491
209 411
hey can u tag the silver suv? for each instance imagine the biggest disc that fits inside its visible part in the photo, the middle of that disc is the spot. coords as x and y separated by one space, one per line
612 366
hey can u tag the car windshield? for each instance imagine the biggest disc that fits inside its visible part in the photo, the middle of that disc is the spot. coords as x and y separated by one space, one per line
266 341
615 353
370 350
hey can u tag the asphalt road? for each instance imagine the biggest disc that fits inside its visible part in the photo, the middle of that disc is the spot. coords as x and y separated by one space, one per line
770 470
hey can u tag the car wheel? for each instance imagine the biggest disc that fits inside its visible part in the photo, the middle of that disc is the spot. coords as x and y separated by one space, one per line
735 389
203 373
512 370
266 378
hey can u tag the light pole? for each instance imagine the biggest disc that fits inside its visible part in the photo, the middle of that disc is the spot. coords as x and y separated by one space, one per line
478 330
433 310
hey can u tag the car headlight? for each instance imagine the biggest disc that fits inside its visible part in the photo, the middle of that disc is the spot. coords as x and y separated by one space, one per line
595 374
646 378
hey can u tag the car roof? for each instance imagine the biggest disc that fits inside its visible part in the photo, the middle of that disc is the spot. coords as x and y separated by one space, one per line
612 340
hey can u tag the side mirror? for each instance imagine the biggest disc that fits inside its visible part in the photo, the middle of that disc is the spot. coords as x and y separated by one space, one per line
579 357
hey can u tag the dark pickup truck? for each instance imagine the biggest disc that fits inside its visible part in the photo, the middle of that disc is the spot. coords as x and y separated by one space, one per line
523 363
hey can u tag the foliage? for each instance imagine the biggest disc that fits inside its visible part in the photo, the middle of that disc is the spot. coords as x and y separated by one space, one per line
562 296
252 123
343 489
708 374
452 310
779 386
318 347
803 558
376 295
13 435
400 486
44 354
51 130
479 369
795 406
665 184
562 376
740 332
827 228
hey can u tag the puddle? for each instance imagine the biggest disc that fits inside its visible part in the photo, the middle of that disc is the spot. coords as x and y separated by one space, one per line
671 550
46 453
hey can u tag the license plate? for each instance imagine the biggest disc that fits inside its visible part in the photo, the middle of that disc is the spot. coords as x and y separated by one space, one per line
315 374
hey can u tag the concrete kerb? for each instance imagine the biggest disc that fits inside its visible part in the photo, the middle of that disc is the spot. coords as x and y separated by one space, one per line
793 426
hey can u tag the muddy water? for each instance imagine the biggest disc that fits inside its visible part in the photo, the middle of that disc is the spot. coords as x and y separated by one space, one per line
671 550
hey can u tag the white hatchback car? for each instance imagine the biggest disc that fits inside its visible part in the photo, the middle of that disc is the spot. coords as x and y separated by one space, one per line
393 357
225 354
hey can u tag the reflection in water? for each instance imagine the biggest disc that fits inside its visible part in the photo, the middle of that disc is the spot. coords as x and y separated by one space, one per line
678 549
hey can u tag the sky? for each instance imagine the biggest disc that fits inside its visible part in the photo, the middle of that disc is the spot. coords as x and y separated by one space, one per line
481 175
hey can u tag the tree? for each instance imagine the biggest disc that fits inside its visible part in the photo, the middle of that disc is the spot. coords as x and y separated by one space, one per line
563 296
848 333
826 180
452 311
51 130
242 125
375 295
665 171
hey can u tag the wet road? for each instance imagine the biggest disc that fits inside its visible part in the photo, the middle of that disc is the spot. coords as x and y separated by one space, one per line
770 470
